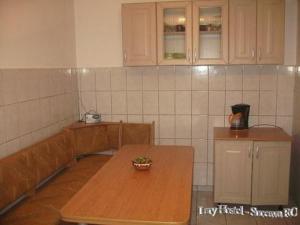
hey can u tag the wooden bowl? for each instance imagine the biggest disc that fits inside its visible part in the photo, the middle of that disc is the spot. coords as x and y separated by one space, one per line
144 164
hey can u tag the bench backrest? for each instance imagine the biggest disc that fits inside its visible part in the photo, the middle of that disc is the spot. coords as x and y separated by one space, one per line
23 171
108 136
96 138
136 133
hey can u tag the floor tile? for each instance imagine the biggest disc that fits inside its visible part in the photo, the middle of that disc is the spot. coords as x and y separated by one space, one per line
205 199
293 220
194 201
270 221
240 220
193 219
211 220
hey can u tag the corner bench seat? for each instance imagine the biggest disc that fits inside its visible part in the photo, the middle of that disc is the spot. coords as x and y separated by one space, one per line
43 177
43 207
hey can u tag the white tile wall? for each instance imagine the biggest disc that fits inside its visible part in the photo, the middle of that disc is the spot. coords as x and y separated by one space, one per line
186 102
183 102
166 102
200 78
234 78
36 103
217 78
200 102
267 103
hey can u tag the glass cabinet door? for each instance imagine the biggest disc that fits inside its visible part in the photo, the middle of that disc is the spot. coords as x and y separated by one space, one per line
210 27
174 33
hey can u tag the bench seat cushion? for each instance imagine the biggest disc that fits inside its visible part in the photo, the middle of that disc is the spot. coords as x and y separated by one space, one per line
43 207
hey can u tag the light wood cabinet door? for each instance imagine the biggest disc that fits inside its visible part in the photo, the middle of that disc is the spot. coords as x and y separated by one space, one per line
174 33
139 34
271 168
210 32
242 32
233 161
270 31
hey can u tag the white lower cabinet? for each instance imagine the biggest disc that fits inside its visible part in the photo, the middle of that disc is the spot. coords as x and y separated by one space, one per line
252 172
271 168
233 167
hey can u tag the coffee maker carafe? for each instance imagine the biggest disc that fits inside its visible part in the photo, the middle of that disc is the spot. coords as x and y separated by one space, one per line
238 120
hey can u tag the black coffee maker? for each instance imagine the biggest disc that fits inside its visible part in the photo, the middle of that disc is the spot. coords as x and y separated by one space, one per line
240 116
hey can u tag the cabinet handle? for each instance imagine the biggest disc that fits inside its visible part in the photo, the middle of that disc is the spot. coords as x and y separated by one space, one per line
189 55
259 54
125 57
249 151
253 53
257 152
195 55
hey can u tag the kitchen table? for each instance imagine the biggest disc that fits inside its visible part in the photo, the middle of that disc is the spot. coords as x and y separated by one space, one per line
120 194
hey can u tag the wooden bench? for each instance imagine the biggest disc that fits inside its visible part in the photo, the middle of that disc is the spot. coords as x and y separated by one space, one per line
37 181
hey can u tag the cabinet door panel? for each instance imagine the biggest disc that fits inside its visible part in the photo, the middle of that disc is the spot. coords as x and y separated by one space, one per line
233 161
271 166
210 32
270 28
139 34
242 36
174 33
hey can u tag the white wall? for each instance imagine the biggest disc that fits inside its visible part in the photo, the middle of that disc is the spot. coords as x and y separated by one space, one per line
37 34
36 102
99 32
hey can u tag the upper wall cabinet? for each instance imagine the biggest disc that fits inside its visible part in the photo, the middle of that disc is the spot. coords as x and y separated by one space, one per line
256 31
242 36
204 32
210 32
174 33
139 34
270 31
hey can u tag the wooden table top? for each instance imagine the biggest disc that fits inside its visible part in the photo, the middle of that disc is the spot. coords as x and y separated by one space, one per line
252 134
119 194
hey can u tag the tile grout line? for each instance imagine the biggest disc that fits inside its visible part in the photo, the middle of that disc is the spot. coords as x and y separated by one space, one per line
259 97
110 90
175 113
208 115
276 92
191 106
158 102
95 89
142 96
126 92
158 119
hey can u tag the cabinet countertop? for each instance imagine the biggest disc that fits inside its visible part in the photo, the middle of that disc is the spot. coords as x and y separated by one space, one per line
252 134
79 124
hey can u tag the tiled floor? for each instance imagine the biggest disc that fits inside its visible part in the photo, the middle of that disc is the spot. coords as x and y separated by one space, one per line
205 199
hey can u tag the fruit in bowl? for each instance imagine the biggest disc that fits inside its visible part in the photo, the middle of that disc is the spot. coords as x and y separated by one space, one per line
142 163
